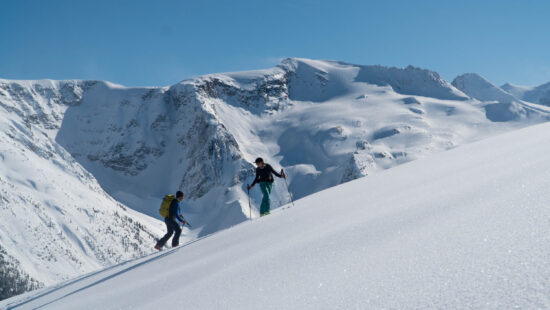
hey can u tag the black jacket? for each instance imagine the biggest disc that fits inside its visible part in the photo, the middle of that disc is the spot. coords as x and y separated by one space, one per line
265 174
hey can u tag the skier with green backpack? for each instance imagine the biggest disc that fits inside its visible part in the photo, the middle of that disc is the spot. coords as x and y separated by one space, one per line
170 211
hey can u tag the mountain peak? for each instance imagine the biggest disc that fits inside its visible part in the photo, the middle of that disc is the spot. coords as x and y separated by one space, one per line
338 76
478 87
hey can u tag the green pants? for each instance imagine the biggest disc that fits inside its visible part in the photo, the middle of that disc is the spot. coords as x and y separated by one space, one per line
266 188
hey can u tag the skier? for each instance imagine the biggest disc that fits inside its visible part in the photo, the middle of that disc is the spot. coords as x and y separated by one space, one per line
171 224
264 176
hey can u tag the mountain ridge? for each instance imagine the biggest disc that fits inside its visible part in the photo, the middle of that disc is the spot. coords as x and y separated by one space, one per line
325 122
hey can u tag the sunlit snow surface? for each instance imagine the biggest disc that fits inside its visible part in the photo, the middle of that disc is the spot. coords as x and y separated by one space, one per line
463 229
84 164
56 220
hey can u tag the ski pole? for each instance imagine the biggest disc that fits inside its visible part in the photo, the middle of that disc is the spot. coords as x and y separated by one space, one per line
288 189
186 222
249 205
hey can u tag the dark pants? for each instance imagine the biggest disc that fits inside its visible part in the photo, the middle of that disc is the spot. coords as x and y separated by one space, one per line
172 227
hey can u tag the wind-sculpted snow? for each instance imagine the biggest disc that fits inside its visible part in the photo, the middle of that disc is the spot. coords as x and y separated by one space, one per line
70 147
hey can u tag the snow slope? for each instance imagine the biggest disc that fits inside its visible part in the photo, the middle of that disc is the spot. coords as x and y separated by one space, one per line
69 147
462 229
57 221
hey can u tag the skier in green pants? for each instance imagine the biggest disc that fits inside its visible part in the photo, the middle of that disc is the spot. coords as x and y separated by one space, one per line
264 176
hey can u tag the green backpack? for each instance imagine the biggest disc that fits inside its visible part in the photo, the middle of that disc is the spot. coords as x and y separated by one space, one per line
164 210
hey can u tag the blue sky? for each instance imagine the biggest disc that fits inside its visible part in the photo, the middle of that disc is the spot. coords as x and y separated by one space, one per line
158 43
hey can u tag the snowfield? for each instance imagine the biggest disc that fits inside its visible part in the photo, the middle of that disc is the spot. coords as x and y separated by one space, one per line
467 228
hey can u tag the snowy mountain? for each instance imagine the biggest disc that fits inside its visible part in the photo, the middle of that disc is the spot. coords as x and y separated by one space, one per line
515 90
463 229
57 221
326 122
476 86
539 94
500 105
76 154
